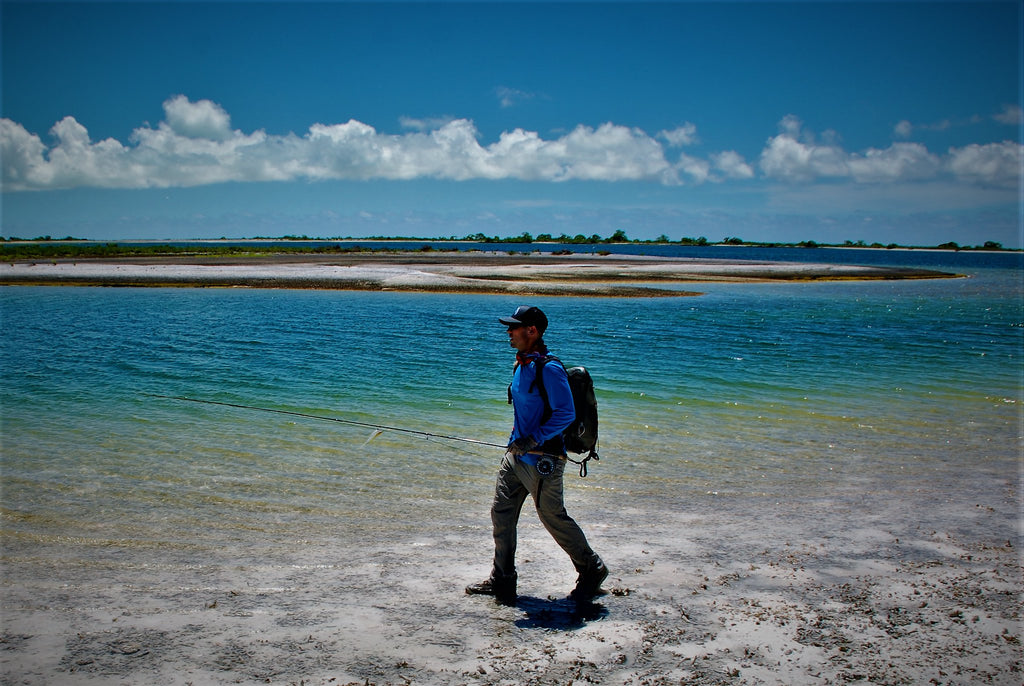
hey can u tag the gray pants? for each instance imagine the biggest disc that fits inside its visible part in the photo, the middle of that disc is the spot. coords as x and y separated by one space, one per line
516 480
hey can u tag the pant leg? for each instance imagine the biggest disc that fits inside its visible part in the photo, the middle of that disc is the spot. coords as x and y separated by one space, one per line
509 496
547 492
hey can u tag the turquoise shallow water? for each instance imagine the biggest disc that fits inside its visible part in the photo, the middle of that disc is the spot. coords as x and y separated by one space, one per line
750 393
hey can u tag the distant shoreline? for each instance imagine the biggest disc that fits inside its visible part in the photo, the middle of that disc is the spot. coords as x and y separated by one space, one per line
495 243
584 274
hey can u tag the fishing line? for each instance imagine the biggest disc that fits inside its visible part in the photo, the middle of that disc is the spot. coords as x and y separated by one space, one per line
351 422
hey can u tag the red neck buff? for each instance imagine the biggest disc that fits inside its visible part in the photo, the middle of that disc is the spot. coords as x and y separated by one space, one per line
538 351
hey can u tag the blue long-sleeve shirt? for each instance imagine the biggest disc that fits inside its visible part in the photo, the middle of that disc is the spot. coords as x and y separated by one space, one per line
528 405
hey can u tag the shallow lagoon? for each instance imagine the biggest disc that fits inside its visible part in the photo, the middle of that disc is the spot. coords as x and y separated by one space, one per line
832 420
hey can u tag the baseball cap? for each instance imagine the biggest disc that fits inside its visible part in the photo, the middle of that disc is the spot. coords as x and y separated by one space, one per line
526 316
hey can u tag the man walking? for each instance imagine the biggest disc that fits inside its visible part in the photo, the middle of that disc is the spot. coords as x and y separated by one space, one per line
534 463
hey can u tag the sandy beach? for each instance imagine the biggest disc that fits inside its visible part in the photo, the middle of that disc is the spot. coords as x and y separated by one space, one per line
696 597
463 272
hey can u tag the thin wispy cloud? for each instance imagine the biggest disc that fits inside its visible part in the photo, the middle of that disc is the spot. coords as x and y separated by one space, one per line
1009 115
195 145
426 124
510 97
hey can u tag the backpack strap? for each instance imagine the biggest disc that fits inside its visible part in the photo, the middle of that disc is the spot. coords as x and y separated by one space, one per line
538 382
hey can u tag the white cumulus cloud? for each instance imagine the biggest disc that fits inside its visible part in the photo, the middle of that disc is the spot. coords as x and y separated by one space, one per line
994 164
794 156
680 136
203 119
732 165
195 145
697 169
898 162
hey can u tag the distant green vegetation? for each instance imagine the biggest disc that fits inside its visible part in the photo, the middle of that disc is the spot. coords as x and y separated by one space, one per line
45 247
621 237
39 249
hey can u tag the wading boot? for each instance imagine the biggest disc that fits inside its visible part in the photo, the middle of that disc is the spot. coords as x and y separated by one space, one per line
502 588
589 582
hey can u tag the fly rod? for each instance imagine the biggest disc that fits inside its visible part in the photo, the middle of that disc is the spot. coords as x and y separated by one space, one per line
378 427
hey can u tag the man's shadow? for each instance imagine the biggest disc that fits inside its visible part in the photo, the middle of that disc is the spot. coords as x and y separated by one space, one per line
560 614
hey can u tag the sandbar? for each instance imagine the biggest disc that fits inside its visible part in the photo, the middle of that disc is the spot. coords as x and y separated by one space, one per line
456 272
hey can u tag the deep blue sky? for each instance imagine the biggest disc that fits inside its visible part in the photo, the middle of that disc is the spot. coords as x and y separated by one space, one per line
888 122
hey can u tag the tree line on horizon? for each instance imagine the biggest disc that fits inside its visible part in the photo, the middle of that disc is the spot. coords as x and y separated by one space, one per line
621 237
47 247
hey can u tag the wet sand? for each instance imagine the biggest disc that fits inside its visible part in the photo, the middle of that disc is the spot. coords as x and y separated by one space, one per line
463 272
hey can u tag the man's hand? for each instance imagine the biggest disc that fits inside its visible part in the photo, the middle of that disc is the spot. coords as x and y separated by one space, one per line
522 445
